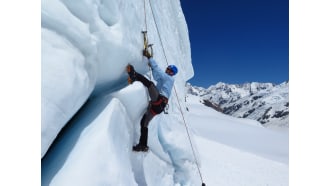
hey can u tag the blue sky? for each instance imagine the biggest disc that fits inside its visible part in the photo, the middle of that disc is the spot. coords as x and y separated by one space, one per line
238 41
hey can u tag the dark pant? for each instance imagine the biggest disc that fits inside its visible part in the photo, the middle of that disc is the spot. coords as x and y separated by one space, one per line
153 92
148 115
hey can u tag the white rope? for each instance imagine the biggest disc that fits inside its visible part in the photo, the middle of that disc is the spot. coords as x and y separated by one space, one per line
146 29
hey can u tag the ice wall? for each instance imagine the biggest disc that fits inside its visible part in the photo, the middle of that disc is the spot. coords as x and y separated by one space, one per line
87 44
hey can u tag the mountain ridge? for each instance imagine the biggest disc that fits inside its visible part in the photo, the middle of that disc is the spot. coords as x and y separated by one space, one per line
267 103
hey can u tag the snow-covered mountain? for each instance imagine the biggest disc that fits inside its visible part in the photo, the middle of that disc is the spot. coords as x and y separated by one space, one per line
265 102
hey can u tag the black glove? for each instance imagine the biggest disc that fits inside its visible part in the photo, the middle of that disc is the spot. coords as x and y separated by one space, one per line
147 53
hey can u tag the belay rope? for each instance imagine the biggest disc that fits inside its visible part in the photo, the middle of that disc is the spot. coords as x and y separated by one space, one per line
146 45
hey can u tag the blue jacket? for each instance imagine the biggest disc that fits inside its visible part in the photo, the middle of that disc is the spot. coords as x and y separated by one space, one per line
165 82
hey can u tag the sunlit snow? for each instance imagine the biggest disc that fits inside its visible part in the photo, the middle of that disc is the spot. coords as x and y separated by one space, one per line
85 95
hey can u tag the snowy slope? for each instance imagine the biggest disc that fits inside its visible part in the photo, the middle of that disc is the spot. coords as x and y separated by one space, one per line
224 165
237 152
245 134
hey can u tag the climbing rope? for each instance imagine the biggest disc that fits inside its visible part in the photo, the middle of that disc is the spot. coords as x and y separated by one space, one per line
146 44
177 97
145 17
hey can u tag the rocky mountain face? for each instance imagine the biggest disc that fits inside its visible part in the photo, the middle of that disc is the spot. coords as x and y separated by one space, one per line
265 102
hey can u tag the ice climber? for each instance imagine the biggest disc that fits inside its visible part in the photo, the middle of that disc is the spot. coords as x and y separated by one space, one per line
159 94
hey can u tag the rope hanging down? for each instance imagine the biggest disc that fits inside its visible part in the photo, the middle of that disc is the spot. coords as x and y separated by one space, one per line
177 97
146 44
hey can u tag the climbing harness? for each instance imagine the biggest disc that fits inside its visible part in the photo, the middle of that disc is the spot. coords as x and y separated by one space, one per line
158 106
180 108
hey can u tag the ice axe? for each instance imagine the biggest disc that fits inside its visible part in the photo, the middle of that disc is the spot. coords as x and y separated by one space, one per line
146 45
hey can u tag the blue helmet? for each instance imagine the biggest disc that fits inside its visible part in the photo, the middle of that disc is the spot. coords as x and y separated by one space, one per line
173 68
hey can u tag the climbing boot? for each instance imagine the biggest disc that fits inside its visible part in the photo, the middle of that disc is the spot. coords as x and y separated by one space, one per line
131 74
140 147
